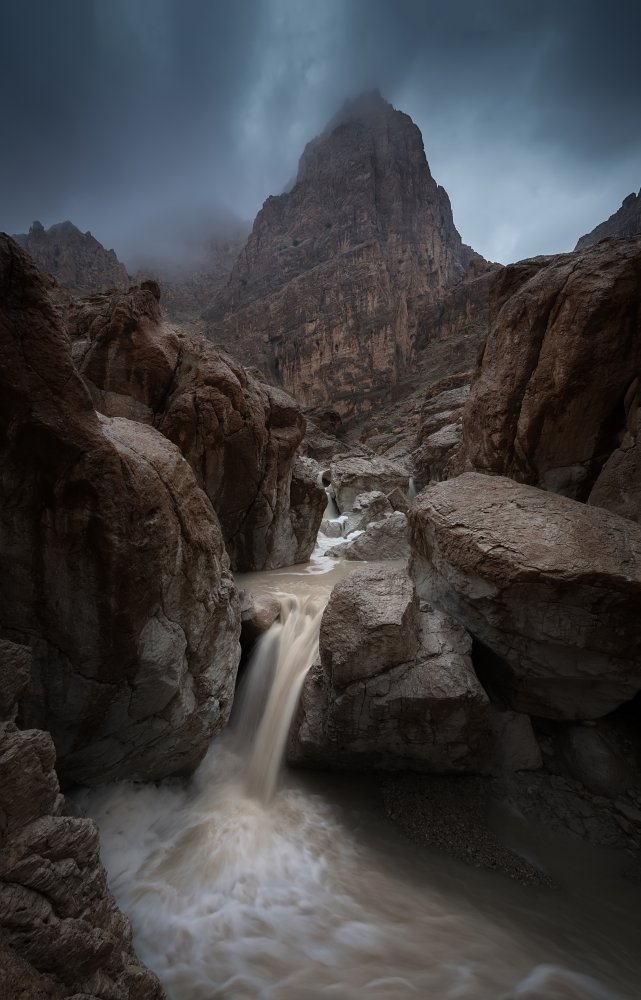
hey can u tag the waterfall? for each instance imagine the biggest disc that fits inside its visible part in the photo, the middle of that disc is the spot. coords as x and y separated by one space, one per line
411 488
275 677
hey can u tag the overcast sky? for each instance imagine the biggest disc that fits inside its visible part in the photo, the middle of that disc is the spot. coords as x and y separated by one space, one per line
131 116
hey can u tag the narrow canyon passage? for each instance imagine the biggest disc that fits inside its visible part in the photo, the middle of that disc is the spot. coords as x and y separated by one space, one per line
240 886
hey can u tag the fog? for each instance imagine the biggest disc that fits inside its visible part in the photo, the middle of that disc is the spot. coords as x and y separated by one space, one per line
134 117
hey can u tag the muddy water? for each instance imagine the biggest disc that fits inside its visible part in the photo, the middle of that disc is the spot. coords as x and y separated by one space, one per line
238 889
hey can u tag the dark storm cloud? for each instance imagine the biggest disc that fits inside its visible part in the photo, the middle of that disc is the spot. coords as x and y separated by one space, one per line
132 116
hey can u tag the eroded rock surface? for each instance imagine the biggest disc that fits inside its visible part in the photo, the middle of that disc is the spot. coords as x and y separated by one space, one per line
394 685
115 572
548 586
385 539
239 435
547 404
352 476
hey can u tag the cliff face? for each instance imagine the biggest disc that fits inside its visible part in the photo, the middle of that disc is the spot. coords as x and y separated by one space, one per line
327 291
77 260
625 222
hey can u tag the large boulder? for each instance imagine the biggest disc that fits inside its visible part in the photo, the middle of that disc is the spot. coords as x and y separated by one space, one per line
549 587
618 487
353 476
548 401
386 539
367 507
413 702
239 434
115 572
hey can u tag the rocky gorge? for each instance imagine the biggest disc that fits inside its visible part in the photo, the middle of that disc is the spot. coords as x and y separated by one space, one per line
156 492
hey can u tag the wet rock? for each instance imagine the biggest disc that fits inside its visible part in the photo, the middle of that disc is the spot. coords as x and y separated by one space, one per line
353 476
307 503
385 539
369 625
332 529
428 712
618 486
592 760
367 507
550 587
258 612
517 747
115 570
547 402
15 671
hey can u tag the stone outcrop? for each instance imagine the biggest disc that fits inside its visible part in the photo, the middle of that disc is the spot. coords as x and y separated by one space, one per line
384 539
548 401
618 486
76 260
440 427
327 292
115 572
625 222
394 685
352 476
549 588
61 934
367 507
239 435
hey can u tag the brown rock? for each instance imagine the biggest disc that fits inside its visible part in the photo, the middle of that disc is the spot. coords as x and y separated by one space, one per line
328 288
625 222
258 612
618 486
114 565
77 260
547 402
386 539
549 586
239 435
352 476
61 933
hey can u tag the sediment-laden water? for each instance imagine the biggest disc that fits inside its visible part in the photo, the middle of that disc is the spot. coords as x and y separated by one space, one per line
240 889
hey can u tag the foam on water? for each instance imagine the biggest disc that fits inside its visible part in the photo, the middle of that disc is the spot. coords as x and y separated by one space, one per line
238 890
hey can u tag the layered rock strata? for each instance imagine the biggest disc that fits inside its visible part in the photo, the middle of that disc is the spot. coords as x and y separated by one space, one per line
549 588
115 571
239 435
394 685
328 289
548 402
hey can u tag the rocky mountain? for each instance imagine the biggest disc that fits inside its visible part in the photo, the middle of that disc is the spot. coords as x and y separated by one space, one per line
77 260
625 222
328 292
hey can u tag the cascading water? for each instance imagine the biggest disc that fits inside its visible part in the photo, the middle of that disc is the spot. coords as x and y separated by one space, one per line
239 890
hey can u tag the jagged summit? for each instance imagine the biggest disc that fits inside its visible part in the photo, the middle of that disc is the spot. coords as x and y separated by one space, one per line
327 290
77 260
624 222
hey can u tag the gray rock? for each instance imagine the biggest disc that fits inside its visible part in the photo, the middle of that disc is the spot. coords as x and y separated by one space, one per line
386 539
353 476
369 625
593 761
15 670
331 529
516 746
368 508
550 586
399 500
258 612
428 713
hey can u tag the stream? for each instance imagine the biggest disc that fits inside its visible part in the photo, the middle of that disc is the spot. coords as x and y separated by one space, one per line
252 882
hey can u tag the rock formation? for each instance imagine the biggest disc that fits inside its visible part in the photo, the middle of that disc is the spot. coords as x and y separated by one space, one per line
238 434
549 588
327 292
61 934
115 572
548 401
625 222
351 477
394 685
77 260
